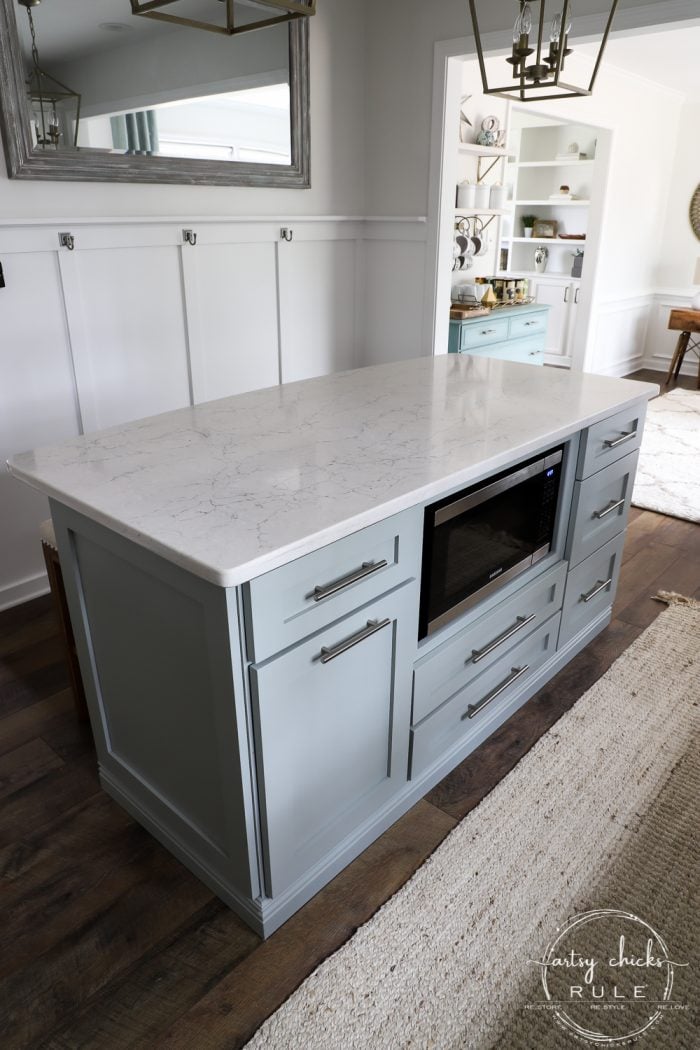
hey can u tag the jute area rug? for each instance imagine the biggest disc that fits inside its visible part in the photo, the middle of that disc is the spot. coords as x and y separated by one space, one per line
668 475
601 813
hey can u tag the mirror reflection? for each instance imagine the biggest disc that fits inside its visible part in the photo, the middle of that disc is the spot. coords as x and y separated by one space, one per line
103 81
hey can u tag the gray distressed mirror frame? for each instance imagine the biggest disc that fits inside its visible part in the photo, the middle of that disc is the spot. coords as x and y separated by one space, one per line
26 162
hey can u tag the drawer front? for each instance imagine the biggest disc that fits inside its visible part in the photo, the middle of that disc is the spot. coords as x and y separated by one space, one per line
610 440
468 654
294 601
590 588
526 351
483 332
529 324
600 508
480 707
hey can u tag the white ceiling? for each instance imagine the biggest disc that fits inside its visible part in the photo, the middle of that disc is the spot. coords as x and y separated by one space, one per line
668 58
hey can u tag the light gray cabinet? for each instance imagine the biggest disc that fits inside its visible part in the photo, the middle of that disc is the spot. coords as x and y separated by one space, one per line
331 733
268 733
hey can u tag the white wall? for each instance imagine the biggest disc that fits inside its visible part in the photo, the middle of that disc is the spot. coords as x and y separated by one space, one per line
337 48
680 248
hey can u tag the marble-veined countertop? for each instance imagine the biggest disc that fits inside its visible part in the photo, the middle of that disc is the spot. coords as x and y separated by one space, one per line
233 488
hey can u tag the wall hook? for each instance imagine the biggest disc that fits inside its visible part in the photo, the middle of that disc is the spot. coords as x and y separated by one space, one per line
189 237
67 240
286 234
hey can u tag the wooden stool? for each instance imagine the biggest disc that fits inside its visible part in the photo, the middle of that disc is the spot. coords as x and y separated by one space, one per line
687 322
58 593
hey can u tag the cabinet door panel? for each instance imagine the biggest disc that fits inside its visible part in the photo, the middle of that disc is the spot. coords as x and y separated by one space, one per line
332 737
37 400
232 318
317 290
127 321
558 295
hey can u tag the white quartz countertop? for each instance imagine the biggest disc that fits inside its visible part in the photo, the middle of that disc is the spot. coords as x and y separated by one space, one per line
233 488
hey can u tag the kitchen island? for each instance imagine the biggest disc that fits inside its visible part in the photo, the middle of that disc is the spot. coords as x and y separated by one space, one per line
244 582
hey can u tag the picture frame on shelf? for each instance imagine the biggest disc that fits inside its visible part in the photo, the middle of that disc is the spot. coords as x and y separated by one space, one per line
545 229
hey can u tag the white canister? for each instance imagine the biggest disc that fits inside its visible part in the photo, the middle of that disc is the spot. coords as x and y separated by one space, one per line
498 197
465 194
482 196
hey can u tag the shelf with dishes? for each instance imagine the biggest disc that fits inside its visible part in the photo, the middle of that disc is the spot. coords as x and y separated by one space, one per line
588 162
554 202
493 213
482 151
562 242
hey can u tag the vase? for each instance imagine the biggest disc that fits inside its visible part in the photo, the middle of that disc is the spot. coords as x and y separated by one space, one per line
541 257
527 231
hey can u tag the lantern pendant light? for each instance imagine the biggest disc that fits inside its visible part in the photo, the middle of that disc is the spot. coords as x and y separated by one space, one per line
227 20
536 63
55 108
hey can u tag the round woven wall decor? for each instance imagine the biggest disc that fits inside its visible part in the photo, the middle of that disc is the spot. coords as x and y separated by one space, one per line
695 213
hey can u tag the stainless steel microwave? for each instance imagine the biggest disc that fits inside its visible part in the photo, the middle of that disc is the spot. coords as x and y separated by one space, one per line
478 539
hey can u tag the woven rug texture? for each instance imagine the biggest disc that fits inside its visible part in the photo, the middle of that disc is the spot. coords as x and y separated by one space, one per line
602 812
668 474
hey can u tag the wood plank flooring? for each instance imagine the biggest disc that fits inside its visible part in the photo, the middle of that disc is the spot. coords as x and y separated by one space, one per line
106 941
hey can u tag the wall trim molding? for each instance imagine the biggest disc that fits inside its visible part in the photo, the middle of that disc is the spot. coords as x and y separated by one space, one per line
24 590
184 218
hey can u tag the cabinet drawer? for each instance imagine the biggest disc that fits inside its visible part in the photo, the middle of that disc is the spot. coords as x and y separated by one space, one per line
484 332
590 588
611 439
466 655
600 508
331 722
526 351
480 707
529 324
294 601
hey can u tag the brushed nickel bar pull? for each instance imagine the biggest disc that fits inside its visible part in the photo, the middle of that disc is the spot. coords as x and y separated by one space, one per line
330 653
487 331
615 505
599 586
474 709
368 567
520 622
614 442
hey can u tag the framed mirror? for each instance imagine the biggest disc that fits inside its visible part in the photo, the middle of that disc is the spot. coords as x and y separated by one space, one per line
89 91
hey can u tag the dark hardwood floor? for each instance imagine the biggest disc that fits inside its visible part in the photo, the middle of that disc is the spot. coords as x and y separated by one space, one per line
108 942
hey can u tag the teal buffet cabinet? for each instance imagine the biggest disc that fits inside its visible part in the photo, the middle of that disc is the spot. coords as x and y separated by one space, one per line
509 333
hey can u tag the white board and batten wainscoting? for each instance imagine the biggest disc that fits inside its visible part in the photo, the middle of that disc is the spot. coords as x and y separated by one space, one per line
134 321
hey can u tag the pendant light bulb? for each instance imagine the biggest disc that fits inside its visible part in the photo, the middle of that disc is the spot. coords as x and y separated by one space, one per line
555 30
523 24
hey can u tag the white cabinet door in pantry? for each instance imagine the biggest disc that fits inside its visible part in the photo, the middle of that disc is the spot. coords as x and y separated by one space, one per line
559 294
37 399
230 285
126 315
318 300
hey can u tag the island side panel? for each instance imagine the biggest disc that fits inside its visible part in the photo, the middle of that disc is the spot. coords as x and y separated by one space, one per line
159 653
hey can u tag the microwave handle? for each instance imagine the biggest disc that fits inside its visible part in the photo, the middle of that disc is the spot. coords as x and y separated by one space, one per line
474 499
